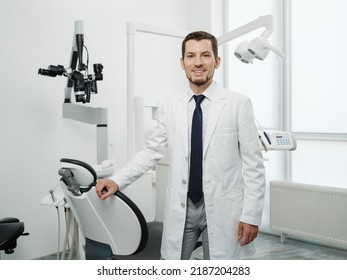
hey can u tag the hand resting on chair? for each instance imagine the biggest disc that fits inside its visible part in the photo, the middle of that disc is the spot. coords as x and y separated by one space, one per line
105 188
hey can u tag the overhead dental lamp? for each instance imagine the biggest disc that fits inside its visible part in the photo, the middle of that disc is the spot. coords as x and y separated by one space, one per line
243 54
259 47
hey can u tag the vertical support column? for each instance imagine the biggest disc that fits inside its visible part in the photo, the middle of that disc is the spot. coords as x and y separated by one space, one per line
287 91
102 143
131 30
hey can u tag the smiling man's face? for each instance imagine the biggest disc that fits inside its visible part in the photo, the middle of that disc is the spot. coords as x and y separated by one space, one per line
199 64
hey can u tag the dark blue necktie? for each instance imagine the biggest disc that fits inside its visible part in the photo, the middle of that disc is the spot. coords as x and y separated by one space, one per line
195 175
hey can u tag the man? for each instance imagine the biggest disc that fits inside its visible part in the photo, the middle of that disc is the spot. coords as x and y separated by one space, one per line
221 160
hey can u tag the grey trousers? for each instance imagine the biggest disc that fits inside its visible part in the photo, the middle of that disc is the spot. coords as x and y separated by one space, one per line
195 227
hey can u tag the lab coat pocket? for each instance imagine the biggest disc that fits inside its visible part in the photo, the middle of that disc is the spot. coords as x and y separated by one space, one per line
233 198
226 147
233 191
225 130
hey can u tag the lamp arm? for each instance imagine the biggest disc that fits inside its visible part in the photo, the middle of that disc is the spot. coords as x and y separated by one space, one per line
262 21
275 50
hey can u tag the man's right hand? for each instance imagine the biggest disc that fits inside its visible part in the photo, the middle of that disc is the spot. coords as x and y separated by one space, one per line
105 188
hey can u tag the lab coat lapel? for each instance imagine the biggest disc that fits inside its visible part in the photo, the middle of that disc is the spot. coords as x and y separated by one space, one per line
215 111
182 120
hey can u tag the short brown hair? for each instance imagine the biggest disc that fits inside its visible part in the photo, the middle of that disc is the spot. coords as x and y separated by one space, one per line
198 36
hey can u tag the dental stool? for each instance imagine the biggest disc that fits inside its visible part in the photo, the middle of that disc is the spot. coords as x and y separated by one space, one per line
10 230
114 228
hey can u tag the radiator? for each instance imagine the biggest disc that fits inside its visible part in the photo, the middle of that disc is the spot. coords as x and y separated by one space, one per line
310 211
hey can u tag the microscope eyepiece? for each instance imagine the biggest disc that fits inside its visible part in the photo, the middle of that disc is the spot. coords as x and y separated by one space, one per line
52 71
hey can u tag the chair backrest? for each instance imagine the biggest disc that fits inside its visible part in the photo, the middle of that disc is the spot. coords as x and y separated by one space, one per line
116 221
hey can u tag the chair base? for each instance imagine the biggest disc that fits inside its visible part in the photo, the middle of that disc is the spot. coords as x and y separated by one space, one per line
10 230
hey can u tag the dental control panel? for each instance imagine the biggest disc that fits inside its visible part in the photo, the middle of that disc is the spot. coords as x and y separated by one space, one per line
277 140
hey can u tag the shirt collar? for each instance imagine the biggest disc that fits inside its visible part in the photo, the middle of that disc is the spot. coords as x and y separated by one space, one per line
209 92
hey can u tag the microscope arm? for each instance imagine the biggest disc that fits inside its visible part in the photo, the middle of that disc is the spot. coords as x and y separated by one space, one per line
75 55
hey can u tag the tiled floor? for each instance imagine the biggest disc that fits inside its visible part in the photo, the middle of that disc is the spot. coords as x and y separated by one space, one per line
269 247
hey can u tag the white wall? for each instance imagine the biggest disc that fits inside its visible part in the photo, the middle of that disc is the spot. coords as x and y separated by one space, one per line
35 34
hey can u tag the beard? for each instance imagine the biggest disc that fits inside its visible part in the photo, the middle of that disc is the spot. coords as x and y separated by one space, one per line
200 82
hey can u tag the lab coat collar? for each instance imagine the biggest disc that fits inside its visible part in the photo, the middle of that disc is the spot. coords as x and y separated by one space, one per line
215 111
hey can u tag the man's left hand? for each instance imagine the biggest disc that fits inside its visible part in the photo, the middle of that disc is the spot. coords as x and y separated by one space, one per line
247 233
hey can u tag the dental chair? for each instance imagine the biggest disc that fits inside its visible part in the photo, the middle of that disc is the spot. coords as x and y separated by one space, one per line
10 230
114 228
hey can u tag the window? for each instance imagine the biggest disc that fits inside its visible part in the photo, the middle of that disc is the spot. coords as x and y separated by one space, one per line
319 90
319 58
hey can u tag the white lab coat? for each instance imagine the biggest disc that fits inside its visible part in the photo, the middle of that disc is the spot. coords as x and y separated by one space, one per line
233 172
